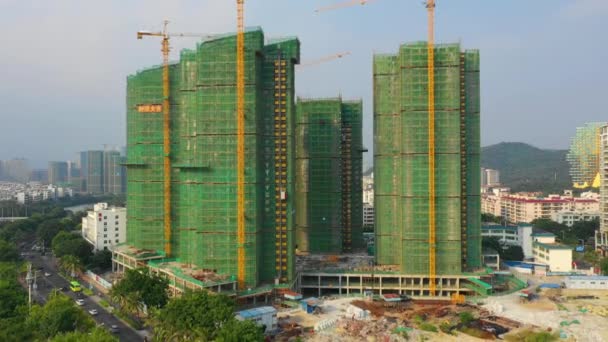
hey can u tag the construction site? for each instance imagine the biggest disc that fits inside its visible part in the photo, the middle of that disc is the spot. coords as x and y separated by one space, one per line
238 186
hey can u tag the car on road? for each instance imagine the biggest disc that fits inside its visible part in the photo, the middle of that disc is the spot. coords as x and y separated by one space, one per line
47 274
80 302
93 312
114 329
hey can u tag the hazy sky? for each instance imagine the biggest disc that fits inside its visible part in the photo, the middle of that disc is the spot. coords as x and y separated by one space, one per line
63 63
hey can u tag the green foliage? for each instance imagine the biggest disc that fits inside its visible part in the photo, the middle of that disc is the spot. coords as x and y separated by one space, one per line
490 218
70 264
466 317
8 252
47 230
101 261
604 266
240 331
428 327
446 328
130 321
527 168
12 295
140 287
15 329
194 316
582 230
58 315
513 253
97 335
418 319
87 291
66 243
104 303
532 336
505 251
18 231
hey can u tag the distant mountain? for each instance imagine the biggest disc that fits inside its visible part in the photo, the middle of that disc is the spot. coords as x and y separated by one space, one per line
526 168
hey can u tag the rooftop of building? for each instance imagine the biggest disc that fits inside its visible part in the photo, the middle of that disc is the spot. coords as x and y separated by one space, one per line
256 312
191 272
136 253
536 232
496 226
594 278
552 246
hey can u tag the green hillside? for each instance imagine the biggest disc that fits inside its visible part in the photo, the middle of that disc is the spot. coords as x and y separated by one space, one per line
526 168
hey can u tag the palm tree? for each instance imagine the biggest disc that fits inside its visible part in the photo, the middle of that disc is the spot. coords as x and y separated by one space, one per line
70 263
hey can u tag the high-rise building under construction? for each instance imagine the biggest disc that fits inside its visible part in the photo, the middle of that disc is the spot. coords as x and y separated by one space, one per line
203 132
584 156
329 204
402 155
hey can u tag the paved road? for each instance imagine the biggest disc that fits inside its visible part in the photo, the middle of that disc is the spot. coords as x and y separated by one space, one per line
46 284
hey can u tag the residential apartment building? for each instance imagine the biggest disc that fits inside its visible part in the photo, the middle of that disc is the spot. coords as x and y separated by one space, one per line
556 256
368 214
569 217
525 207
368 189
520 235
490 177
105 226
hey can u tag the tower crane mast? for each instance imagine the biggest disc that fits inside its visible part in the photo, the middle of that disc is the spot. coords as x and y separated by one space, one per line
165 49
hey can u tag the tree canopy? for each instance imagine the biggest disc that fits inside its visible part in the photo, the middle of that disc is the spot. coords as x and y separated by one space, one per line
139 286
97 335
200 316
8 252
58 315
65 243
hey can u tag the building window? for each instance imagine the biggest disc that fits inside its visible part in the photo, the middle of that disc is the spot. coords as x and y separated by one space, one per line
116 235
105 217
116 229
105 223
116 240
116 223
105 235
117 217
105 229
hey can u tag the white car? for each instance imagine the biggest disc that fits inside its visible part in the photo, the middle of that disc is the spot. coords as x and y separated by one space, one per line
47 274
80 302
93 312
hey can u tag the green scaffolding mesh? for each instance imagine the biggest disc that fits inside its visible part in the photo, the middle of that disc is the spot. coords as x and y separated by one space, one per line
203 135
328 175
401 160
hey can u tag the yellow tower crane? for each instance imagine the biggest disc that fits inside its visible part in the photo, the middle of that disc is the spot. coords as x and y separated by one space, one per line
240 144
430 5
324 59
165 49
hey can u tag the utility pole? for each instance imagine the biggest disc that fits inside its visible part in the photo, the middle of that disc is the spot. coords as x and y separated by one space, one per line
30 280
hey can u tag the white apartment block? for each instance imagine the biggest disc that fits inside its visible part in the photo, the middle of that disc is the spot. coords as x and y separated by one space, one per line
105 226
368 214
557 257
525 207
520 235
368 189
569 218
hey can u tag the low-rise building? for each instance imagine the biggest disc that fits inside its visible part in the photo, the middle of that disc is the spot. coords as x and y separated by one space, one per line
520 235
546 251
265 316
569 217
586 282
525 207
105 226
368 214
